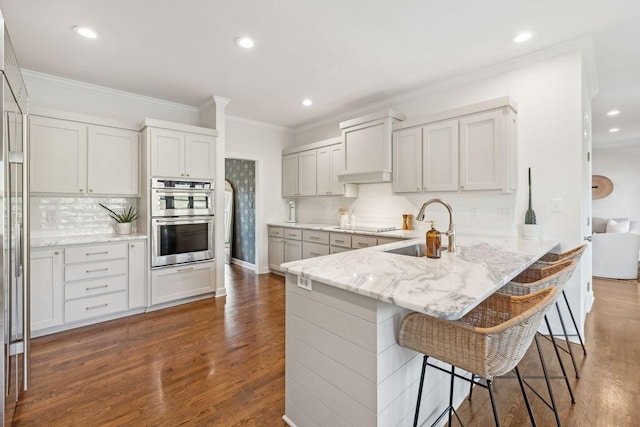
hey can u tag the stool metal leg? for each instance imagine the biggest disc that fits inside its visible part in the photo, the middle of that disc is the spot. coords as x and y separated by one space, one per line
555 348
424 367
524 395
575 325
566 337
453 377
546 378
493 404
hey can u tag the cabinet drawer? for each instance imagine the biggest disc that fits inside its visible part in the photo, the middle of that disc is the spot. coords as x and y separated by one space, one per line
340 239
94 287
293 233
358 241
338 249
315 236
276 232
311 250
94 306
95 253
181 282
95 269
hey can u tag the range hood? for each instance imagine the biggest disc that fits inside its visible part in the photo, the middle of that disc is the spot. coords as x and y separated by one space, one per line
367 147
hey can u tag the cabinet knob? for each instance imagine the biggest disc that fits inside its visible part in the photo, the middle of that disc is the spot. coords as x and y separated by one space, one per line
82 190
91 190
132 245
187 174
181 174
56 253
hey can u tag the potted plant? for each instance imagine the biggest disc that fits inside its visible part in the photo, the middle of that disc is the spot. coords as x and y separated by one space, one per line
123 219
530 229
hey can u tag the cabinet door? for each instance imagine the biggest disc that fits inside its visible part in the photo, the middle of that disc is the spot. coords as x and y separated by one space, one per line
407 160
137 274
47 299
292 250
276 253
112 161
323 174
58 156
337 168
481 152
200 156
307 173
440 156
290 175
170 284
167 153
367 147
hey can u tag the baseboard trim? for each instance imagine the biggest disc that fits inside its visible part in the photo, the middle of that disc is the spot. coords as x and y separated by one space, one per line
244 264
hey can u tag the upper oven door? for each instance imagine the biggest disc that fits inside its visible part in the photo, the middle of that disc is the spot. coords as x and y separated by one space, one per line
181 240
181 202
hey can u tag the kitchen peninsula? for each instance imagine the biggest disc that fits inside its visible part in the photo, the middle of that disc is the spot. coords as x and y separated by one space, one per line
343 364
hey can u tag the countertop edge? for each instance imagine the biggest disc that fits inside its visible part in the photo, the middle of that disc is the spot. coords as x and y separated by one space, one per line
43 242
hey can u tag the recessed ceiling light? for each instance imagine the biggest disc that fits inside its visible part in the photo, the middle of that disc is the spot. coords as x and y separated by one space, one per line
245 42
613 113
614 130
307 102
85 32
523 37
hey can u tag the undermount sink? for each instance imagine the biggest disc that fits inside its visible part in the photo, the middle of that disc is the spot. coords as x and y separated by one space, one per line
416 250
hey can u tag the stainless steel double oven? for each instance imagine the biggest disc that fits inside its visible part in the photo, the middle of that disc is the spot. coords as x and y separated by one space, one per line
182 222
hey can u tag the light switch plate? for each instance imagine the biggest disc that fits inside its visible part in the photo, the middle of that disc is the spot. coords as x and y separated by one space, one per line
556 204
304 283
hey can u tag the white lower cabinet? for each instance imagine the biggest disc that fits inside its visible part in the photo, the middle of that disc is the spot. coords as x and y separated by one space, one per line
276 253
174 283
82 284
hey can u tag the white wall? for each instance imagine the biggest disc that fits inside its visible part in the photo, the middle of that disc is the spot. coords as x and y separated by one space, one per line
264 144
620 164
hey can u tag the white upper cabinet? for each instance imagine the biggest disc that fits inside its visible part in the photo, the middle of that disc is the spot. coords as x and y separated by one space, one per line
440 156
330 165
407 160
108 147
472 148
367 145
307 173
177 154
290 175
69 157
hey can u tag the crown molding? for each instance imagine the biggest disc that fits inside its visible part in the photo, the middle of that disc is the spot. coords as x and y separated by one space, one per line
582 44
257 124
66 83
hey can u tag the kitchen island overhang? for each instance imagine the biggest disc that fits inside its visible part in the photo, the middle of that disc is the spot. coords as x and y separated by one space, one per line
343 362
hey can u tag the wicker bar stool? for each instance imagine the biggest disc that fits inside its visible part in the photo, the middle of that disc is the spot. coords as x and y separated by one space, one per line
533 280
554 258
489 341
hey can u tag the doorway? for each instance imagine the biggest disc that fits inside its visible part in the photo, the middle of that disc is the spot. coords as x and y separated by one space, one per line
241 175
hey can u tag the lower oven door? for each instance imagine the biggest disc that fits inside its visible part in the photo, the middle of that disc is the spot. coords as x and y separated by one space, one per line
180 240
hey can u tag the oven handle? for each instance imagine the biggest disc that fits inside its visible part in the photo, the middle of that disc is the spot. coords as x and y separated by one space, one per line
208 218
185 191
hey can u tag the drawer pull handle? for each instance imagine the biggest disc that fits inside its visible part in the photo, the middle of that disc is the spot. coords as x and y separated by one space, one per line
363 244
185 269
97 270
97 253
96 307
92 288
314 238
314 253
338 241
292 235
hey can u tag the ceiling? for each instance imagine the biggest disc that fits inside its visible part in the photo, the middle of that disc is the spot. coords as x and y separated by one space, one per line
341 54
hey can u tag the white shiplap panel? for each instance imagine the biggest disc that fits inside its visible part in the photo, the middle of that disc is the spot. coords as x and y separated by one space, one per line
306 410
344 406
388 329
348 302
392 359
347 326
352 384
352 356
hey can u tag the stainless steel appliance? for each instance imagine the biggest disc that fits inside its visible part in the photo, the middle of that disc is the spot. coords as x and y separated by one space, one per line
181 198
182 222
14 196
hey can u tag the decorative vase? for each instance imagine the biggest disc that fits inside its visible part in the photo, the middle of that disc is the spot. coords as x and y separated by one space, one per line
531 231
123 228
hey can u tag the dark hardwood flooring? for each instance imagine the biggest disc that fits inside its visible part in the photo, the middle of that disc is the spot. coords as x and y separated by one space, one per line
220 362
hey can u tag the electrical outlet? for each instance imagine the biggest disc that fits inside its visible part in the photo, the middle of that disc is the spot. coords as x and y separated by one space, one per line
504 214
474 213
304 283
556 204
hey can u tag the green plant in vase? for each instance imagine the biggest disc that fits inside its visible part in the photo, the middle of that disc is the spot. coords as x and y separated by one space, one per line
123 219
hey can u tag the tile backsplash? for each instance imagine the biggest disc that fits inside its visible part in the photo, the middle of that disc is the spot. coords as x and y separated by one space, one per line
63 216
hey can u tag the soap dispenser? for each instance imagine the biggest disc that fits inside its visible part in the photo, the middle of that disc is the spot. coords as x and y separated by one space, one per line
433 242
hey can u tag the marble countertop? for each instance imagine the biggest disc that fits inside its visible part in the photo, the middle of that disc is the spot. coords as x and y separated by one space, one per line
42 242
447 288
401 234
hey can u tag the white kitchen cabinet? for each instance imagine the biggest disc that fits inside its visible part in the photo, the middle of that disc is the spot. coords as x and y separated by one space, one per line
407 160
330 162
481 152
174 283
299 174
69 157
47 288
178 154
137 274
292 250
276 253
440 156
367 145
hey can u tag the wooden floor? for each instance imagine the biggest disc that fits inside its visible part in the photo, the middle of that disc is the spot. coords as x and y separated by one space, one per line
220 362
